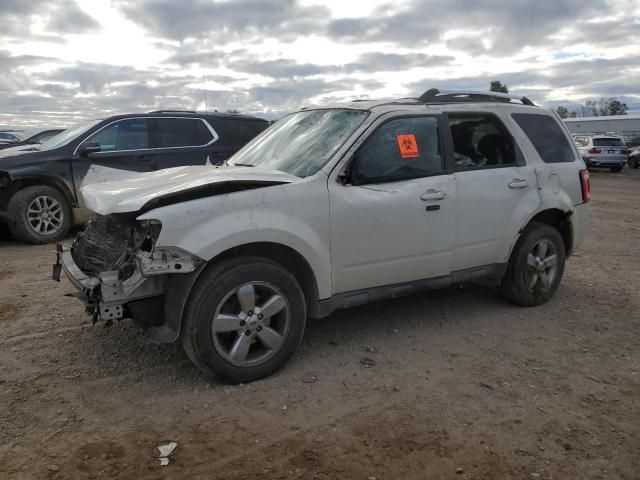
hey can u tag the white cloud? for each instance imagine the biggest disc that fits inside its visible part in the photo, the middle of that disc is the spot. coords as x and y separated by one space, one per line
72 59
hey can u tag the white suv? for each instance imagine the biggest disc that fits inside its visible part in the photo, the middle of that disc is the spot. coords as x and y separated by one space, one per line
331 208
602 151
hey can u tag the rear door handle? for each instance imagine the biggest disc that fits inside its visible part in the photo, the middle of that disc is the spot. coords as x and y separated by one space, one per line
519 183
144 158
431 195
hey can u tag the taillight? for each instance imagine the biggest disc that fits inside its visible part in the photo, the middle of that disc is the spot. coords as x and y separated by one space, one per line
585 184
624 151
594 150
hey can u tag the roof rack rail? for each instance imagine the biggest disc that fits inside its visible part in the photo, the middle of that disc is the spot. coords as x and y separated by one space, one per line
173 111
455 96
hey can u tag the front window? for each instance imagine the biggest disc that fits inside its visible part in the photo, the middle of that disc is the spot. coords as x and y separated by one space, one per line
129 134
400 149
302 143
68 135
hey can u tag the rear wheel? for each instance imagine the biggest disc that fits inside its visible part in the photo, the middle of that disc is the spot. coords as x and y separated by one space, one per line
535 267
244 320
616 169
39 214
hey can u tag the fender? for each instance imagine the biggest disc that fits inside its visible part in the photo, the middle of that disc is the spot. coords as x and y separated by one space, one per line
21 179
209 226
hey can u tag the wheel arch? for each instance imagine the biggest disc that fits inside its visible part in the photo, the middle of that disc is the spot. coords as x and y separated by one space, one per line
286 256
21 183
558 219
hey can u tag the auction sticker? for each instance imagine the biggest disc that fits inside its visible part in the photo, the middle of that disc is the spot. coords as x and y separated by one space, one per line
408 146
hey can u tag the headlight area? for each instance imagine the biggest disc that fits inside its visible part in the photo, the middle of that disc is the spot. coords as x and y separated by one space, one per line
119 262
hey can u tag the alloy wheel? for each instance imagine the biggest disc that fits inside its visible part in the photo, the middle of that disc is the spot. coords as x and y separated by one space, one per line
251 323
45 215
542 266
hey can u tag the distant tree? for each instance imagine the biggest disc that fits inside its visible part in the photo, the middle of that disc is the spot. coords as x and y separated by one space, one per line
498 86
562 111
603 107
616 107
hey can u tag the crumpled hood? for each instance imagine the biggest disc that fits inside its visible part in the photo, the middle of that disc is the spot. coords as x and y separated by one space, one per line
108 190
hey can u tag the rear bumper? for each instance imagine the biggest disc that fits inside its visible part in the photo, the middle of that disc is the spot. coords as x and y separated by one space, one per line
580 223
606 162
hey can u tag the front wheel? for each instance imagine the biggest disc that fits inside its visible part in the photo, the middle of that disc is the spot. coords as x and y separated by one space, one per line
633 163
535 267
245 318
39 214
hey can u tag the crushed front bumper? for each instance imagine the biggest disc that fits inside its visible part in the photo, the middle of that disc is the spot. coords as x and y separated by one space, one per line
106 295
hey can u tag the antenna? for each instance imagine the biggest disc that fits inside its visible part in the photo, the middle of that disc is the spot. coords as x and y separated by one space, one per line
204 88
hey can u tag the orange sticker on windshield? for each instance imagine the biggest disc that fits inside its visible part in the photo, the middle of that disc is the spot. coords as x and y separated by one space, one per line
408 146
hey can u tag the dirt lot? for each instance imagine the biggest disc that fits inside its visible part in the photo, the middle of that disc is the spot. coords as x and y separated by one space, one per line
464 385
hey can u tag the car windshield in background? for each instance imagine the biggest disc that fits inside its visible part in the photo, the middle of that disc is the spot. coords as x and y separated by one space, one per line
68 135
607 142
302 143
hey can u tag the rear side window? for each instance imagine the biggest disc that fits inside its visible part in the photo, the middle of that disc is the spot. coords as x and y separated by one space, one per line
546 136
400 149
607 142
236 132
480 141
180 132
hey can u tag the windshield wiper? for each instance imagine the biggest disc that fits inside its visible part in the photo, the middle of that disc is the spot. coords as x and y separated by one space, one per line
243 165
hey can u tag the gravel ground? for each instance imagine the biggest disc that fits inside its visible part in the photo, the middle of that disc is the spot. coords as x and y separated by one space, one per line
460 383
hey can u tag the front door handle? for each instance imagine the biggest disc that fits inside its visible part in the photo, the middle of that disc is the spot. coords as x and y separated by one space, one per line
519 183
144 158
431 195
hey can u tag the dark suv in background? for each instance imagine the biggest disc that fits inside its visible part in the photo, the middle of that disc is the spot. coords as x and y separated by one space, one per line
39 186
34 138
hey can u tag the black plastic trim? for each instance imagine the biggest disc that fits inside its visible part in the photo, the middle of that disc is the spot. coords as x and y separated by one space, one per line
361 297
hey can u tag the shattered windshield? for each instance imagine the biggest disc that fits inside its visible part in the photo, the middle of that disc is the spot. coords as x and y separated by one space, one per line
302 143
68 135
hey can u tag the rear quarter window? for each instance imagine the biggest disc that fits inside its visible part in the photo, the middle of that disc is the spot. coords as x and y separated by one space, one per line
546 136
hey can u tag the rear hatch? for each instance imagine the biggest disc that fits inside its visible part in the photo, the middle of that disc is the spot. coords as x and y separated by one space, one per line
608 148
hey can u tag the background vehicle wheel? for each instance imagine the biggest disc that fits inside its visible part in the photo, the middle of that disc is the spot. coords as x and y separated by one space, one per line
245 318
39 214
633 163
535 267
616 169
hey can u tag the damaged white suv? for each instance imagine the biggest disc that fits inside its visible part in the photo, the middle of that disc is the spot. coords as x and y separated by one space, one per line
331 208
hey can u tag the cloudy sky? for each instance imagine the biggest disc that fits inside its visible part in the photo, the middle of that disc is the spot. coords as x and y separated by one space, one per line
67 60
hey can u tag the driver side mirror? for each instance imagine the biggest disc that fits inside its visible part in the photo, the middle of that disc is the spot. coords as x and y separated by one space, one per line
88 148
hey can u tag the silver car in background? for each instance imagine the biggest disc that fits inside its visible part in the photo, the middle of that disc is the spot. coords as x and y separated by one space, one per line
602 151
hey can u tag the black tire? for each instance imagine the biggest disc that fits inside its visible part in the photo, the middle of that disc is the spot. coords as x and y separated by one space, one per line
632 162
514 285
616 169
208 295
19 223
